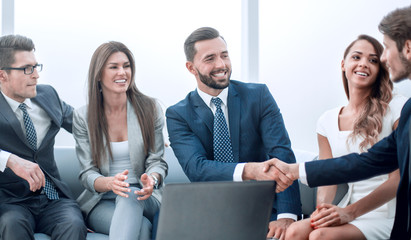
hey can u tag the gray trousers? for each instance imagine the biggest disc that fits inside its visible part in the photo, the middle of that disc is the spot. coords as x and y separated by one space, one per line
60 219
124 218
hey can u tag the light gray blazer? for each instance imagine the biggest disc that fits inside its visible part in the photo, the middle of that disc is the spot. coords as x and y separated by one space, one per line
141 163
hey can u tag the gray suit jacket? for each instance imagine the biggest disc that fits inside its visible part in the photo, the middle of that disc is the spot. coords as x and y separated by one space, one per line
141 163
12 139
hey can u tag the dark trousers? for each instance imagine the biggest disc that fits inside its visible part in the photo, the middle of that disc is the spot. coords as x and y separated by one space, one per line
60 219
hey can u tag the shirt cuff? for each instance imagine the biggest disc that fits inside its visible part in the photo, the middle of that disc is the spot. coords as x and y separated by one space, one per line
4 157
303 174
238 172
287 215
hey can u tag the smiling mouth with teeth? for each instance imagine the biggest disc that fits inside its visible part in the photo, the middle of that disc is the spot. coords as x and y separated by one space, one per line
361 74
219 74
120 81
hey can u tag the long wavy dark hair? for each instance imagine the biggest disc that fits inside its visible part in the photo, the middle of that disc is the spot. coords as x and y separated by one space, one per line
369 123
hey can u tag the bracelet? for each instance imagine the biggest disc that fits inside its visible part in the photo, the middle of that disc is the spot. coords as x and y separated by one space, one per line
155 181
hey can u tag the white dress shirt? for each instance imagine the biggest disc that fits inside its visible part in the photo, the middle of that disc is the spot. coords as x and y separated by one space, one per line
39 117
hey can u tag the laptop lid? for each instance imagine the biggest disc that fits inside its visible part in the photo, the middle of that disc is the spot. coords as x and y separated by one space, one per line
216 210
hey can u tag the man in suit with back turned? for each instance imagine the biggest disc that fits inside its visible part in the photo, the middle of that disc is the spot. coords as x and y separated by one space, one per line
32 196
387 155
225 129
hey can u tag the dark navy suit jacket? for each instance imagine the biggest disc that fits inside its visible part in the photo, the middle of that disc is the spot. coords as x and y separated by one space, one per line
12 139
257 133
384 157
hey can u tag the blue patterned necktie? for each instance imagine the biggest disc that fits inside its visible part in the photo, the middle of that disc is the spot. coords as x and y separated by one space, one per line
31 136
223 150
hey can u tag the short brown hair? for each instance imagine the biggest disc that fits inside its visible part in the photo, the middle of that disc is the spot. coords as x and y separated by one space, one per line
397 26
9 45
204 33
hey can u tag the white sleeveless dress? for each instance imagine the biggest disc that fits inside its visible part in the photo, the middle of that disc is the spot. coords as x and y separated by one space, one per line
378 223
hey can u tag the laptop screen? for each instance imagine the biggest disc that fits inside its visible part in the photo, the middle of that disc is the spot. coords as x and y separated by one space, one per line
216 210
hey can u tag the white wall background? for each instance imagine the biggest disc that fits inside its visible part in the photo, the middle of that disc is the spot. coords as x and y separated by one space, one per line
301 47
66 34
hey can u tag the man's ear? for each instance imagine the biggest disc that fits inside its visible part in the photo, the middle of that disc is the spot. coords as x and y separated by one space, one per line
190 67
3 76
406 50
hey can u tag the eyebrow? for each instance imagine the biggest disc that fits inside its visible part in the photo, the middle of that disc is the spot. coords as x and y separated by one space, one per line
29 65
372 54
213 54
209 55
116 63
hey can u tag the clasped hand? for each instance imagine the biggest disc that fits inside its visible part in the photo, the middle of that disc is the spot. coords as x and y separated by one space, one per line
283 173
120 187
328 215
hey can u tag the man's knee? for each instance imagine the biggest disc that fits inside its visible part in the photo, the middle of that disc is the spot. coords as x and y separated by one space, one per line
71 228
70 220
75 222
15 226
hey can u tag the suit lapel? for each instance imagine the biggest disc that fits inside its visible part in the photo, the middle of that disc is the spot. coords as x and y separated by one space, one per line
234 106
10 117
203 111
133 134
43 102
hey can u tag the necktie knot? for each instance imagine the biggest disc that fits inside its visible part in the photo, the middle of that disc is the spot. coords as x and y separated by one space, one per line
217 102
23 107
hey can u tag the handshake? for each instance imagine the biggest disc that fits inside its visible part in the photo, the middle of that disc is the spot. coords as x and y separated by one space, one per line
274 169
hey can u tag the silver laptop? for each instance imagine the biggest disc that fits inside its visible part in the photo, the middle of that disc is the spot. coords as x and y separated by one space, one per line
216 210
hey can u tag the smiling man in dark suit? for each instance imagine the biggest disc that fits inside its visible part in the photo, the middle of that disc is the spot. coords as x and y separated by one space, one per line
225 129
32 196
387 155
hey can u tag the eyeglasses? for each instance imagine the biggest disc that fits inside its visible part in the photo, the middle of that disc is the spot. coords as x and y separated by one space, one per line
28 69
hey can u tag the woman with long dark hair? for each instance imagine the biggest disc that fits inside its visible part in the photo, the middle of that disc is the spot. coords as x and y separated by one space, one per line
119 144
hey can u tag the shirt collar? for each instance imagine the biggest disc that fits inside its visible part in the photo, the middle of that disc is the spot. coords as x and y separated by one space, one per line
207 97
14 105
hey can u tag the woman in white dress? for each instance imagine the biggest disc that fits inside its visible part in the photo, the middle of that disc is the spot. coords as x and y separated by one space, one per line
372 113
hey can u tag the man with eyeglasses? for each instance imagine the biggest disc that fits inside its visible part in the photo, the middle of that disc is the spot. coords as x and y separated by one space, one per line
26 69
32 196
